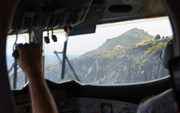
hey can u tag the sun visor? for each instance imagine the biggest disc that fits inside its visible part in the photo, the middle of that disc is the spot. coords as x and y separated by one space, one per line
83 29
151 7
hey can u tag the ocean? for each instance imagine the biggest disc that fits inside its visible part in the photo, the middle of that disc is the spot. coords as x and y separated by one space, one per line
49 59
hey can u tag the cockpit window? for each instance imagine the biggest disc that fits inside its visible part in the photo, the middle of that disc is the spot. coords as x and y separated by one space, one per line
118 53
52 61
21 79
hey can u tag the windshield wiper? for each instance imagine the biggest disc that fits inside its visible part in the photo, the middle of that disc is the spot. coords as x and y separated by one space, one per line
16 56
55 52
12 68
75 75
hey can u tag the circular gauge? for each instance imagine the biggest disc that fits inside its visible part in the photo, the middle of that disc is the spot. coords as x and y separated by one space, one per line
106 108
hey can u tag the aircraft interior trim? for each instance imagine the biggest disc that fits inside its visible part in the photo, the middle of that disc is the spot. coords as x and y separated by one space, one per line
81 17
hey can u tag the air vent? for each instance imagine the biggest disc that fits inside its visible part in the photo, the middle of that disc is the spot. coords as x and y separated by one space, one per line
120 8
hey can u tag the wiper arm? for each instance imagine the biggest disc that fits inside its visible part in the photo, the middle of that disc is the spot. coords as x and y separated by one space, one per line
77 78
61 62
12 68
16 56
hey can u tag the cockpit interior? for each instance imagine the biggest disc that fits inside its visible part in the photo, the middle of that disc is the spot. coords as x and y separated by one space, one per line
99 56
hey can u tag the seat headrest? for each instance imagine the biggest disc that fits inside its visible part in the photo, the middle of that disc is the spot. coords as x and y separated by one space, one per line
168 54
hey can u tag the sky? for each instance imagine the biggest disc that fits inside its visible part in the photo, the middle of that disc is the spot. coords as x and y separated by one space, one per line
11 39
81 44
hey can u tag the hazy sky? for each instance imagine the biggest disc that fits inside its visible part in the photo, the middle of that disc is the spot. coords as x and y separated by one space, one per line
11 39
84 43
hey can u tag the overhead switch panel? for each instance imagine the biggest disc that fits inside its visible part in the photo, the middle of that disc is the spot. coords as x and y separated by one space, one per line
48 14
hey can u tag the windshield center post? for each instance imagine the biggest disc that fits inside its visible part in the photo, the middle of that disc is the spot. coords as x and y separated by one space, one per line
67 30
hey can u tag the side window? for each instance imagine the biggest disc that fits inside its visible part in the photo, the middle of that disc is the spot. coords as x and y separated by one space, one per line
23 38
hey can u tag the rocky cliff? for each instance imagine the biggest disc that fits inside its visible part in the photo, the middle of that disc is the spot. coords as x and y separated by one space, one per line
127 65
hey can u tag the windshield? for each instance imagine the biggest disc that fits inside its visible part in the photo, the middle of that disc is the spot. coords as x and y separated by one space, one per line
21 79
117 53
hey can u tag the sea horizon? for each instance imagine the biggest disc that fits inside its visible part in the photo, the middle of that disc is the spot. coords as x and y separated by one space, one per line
49 59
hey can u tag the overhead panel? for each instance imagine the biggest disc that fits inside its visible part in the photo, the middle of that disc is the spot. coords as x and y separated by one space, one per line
82 15
48 14
93 17
121 9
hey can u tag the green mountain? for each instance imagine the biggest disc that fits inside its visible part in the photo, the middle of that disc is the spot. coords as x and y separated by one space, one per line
131 37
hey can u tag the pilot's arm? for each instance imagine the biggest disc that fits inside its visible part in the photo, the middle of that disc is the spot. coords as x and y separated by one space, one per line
30 57
30 62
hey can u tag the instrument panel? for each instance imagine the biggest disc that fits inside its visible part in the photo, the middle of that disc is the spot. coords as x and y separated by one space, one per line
74 97
92 105
78 105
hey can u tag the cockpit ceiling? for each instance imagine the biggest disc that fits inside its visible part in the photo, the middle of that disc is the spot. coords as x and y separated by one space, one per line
151 7
82 15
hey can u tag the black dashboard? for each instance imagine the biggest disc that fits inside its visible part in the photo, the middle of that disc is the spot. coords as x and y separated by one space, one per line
74 97
78 105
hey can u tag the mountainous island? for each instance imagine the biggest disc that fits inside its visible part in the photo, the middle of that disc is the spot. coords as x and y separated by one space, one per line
129 38
129 58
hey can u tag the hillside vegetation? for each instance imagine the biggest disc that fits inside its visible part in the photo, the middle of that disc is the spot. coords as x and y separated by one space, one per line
128 38
127 65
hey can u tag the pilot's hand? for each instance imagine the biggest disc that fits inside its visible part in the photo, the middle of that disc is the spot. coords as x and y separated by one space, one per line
30 57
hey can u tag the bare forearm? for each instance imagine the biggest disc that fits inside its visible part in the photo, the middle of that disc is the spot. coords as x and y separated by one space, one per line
30 57
42 100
